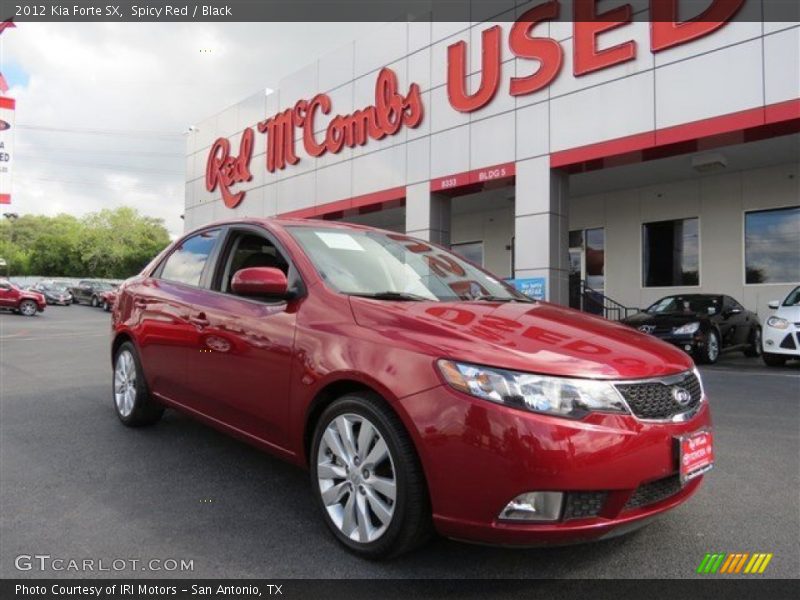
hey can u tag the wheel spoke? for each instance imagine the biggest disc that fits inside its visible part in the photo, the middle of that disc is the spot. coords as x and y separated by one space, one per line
378 453
365 436
383 486
333 442
365 528
345 429
350 522
326 470
334 493
379 507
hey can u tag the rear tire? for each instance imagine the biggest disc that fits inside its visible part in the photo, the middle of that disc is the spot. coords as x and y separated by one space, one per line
28 308
95 302
754 349
358 486
106 307
773 360
133 402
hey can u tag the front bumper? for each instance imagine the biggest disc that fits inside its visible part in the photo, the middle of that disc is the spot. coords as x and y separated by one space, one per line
477 456
781 341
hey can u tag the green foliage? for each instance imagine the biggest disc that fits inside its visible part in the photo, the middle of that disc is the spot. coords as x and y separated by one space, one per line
108 244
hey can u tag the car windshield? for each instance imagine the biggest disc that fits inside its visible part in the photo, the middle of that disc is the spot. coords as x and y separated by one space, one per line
103 287
793 299
393 266
694 303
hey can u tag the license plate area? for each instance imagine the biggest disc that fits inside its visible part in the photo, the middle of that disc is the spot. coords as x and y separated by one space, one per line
695 455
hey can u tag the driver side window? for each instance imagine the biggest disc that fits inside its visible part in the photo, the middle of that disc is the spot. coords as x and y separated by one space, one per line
246 250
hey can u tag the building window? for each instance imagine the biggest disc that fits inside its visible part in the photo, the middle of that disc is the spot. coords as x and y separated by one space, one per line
471 251
671 253
771 245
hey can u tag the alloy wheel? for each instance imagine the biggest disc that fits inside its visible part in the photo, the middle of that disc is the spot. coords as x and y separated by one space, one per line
125 383
713 347
357 478
27 308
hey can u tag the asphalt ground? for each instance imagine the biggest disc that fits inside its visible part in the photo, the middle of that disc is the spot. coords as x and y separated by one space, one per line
76 484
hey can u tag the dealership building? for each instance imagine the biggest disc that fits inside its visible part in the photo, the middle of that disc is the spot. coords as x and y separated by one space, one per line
599 164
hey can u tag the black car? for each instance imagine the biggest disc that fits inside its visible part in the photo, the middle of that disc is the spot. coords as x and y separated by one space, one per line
54 292
89 291
701 324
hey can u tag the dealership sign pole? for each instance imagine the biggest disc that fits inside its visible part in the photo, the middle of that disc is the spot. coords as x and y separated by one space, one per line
7 106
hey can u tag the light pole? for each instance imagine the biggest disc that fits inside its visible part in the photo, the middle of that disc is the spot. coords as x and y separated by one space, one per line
12 217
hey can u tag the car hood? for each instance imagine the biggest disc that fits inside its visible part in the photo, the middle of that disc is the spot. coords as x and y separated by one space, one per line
790 313
663 320
539 337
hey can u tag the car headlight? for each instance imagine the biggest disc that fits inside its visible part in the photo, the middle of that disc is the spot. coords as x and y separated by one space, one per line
537 393
689 328
777 323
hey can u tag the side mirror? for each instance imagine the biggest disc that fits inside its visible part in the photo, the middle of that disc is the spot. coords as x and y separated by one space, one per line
733 311
775 304
260 281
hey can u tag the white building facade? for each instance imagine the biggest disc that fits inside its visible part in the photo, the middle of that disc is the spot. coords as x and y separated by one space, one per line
630 159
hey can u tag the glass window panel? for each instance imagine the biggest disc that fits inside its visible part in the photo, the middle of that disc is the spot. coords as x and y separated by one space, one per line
671 253
772 245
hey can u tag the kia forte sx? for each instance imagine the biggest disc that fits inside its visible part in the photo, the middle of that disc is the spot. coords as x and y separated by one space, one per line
422 393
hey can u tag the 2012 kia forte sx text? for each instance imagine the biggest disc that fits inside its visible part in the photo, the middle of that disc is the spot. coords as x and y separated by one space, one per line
421 392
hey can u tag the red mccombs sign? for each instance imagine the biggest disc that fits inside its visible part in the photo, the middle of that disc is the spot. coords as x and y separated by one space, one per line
393 109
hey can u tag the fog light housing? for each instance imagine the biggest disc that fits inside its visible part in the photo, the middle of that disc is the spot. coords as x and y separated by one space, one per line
534 506
688 348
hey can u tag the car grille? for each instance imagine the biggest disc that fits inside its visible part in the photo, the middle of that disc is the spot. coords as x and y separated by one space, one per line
655 491
788 343
655 399
583 505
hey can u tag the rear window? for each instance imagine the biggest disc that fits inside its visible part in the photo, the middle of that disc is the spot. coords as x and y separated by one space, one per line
187 261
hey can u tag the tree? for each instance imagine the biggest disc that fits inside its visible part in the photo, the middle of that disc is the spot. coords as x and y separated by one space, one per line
109 244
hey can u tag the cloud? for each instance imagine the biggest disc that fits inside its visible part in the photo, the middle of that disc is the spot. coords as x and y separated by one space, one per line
85 90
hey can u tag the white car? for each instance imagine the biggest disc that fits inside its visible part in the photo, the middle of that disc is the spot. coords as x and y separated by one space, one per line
781 335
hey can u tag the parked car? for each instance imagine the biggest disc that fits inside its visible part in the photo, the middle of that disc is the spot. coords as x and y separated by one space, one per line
107 299
25 302
54 293
88 291
419 390
782 331
703 325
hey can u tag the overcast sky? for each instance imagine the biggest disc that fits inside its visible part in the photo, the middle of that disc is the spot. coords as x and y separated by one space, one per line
101 108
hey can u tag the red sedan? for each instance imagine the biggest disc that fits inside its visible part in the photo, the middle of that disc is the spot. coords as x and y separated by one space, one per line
421 392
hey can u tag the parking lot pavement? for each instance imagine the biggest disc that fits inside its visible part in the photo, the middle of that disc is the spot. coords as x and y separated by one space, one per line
74 483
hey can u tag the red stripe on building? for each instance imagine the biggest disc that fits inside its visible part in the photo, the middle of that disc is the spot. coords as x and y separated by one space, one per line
7 103
5 198
722 125
478 176
350 205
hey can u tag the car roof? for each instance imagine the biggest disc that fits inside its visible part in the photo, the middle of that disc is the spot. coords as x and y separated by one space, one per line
291 222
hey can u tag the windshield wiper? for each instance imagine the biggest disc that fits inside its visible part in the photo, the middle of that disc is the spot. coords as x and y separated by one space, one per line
491 298
400 296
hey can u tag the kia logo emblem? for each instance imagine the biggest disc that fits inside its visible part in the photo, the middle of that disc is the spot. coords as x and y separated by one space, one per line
647 328
681 396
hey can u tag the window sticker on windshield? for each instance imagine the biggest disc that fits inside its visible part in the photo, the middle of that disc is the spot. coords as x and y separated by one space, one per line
339 241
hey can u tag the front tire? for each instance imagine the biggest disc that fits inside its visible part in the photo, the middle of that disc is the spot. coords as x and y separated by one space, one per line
754 349
95 302
106 307
367 479
773 360
28 308
133 403
709 354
